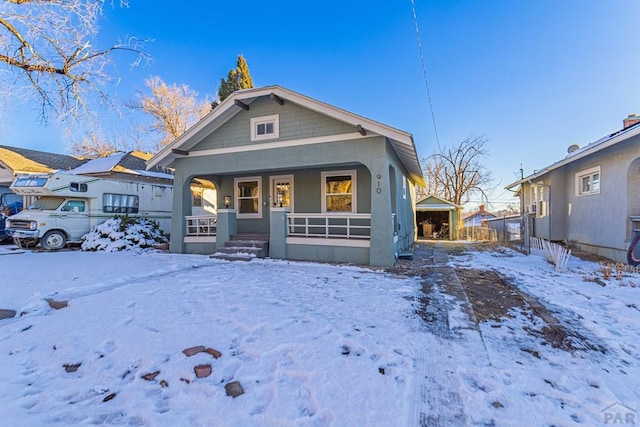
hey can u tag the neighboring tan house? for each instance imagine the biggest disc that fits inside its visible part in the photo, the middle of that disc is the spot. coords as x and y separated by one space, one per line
20 161
437 218
129 165
314 181
590 197
132 166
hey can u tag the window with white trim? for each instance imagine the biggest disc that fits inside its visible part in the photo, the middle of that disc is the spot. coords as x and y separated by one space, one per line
248 200
588 182
266 127
538 206
339 191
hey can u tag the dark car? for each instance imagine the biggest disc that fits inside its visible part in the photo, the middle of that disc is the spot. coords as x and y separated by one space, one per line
10 204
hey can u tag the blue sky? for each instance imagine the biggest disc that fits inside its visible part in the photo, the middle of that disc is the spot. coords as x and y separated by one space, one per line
532 76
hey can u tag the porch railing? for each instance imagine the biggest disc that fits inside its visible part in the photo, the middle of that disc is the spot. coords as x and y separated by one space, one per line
201 225
345 226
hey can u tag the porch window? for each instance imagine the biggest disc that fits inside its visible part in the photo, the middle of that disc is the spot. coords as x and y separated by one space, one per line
196 196
248 199
339 191
588 182
267 127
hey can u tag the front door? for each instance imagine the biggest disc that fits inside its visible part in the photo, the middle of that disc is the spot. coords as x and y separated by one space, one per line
281 191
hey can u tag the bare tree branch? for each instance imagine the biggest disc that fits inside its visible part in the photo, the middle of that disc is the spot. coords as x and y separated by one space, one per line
47 46
173 108
457 173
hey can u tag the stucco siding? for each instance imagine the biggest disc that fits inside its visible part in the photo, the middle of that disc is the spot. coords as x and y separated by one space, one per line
601 219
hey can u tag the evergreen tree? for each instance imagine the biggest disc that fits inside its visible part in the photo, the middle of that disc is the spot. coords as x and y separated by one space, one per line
238 78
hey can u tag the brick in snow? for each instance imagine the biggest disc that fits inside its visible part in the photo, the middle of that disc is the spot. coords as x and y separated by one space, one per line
233 389
193 350
57 305
7 314
150 376
215 353
71 367
202 371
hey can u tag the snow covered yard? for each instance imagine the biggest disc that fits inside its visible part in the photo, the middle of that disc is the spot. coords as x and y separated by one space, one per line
310 344
532 382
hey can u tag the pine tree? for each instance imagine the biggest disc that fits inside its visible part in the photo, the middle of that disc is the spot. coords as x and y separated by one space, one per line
238 78
244 76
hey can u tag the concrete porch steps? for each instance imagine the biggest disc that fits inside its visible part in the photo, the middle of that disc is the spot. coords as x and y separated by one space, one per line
244 247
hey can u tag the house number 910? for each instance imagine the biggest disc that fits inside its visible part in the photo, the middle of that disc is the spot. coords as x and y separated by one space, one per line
379 190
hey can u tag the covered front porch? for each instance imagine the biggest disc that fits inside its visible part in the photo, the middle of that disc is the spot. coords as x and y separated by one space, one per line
324 214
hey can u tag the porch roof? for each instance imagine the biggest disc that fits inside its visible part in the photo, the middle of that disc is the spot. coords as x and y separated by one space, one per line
402 142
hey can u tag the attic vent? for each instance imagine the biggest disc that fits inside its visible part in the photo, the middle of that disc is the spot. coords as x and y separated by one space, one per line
572 148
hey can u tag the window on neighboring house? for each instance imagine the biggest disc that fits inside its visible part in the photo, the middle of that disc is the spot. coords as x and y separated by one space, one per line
119 203
538 205
339 191
588 182
267 127
196 196
248 199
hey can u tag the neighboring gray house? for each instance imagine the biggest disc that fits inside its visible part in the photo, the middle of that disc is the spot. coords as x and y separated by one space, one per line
317 182
589 197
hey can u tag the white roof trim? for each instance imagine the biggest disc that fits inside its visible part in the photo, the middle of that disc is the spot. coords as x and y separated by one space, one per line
401 141
592 148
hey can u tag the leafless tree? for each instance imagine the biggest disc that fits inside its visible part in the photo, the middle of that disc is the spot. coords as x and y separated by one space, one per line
47 47
95 144
457 173
173 108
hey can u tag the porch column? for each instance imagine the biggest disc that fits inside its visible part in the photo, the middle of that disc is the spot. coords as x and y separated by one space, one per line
278 233
382 251
181 206
226 227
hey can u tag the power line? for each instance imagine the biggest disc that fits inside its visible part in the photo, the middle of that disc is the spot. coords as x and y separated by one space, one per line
424 73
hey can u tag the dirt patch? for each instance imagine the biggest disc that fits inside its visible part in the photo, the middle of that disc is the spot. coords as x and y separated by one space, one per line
491 296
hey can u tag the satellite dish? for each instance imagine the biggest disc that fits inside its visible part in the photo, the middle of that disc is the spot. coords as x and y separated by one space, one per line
572 148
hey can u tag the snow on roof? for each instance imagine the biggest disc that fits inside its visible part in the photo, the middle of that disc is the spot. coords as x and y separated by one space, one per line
120 162
103 164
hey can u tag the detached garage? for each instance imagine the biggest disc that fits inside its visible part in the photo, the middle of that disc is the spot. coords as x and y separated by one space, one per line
437 218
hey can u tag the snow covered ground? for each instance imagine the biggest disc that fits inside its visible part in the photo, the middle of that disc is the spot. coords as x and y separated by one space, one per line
310 344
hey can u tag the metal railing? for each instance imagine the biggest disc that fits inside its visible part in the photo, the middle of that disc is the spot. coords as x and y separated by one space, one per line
201 225
345 226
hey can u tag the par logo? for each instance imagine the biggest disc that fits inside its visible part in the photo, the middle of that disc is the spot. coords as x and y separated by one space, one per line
619 414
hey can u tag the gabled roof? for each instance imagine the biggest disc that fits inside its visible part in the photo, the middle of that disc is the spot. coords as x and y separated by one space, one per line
402 142
434 202
132 163
479 213
22 160
594 147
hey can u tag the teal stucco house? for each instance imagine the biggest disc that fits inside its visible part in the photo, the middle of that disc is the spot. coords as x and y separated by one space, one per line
315 182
